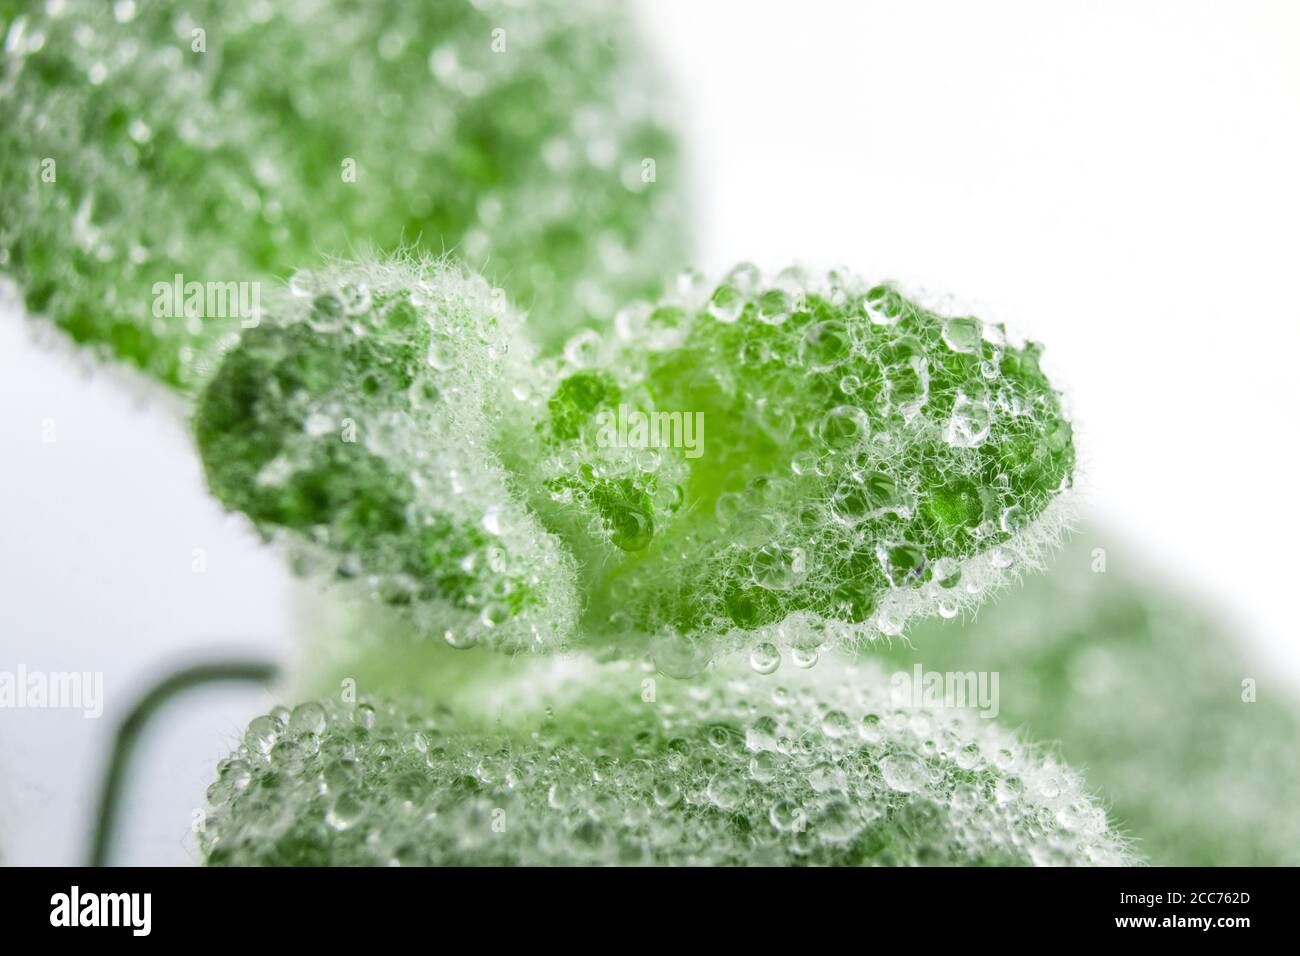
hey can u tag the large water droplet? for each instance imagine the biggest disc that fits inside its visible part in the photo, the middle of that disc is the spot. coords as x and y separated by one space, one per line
962 335
726 303
307 718
971 420
904 563
843 428
883 306
905 773
825 345
327 314
262 734
765 658
345 811
778 568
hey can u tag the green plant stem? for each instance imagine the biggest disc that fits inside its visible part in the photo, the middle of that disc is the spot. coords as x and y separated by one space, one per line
131 728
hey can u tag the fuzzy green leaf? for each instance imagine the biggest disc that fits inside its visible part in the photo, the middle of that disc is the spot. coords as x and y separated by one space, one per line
599 764
232 141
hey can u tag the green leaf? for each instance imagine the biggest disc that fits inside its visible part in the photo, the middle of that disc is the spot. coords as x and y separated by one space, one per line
819 459
231 141
1146 686
360 422
601 764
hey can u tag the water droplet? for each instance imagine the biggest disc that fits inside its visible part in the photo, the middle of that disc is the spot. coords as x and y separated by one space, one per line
883 306
971 421
904 563
843 428
327 314
667 794
859 497
962 335
460 639
345 811
648 460
341 774
1009 790
803 657
786 816
630 528
725 791
679 657
889 623
262 734
355 297
745 277
946 572
964 797
302 284
968 758
423 394
870 730
765 658
905 773
560 796
495 613
1050 786
763 767
761 734
825 345
307 718
778 568
805 463
836 724
583 349
773 306
726 304
1014 519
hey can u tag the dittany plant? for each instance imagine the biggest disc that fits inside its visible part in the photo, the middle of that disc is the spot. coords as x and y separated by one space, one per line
599 764
823 459
763 467
161 160
394 420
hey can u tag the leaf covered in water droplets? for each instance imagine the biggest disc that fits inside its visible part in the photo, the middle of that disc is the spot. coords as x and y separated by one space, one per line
599 765
361 421
804 459
147 146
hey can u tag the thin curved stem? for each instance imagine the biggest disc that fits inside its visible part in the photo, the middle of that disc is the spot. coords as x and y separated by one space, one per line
131 728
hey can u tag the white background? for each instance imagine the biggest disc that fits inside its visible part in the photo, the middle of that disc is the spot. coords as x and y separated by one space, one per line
1120 181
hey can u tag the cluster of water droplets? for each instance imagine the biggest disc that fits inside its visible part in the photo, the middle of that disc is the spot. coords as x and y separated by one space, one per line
732 770
233 140
865 460
360 422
